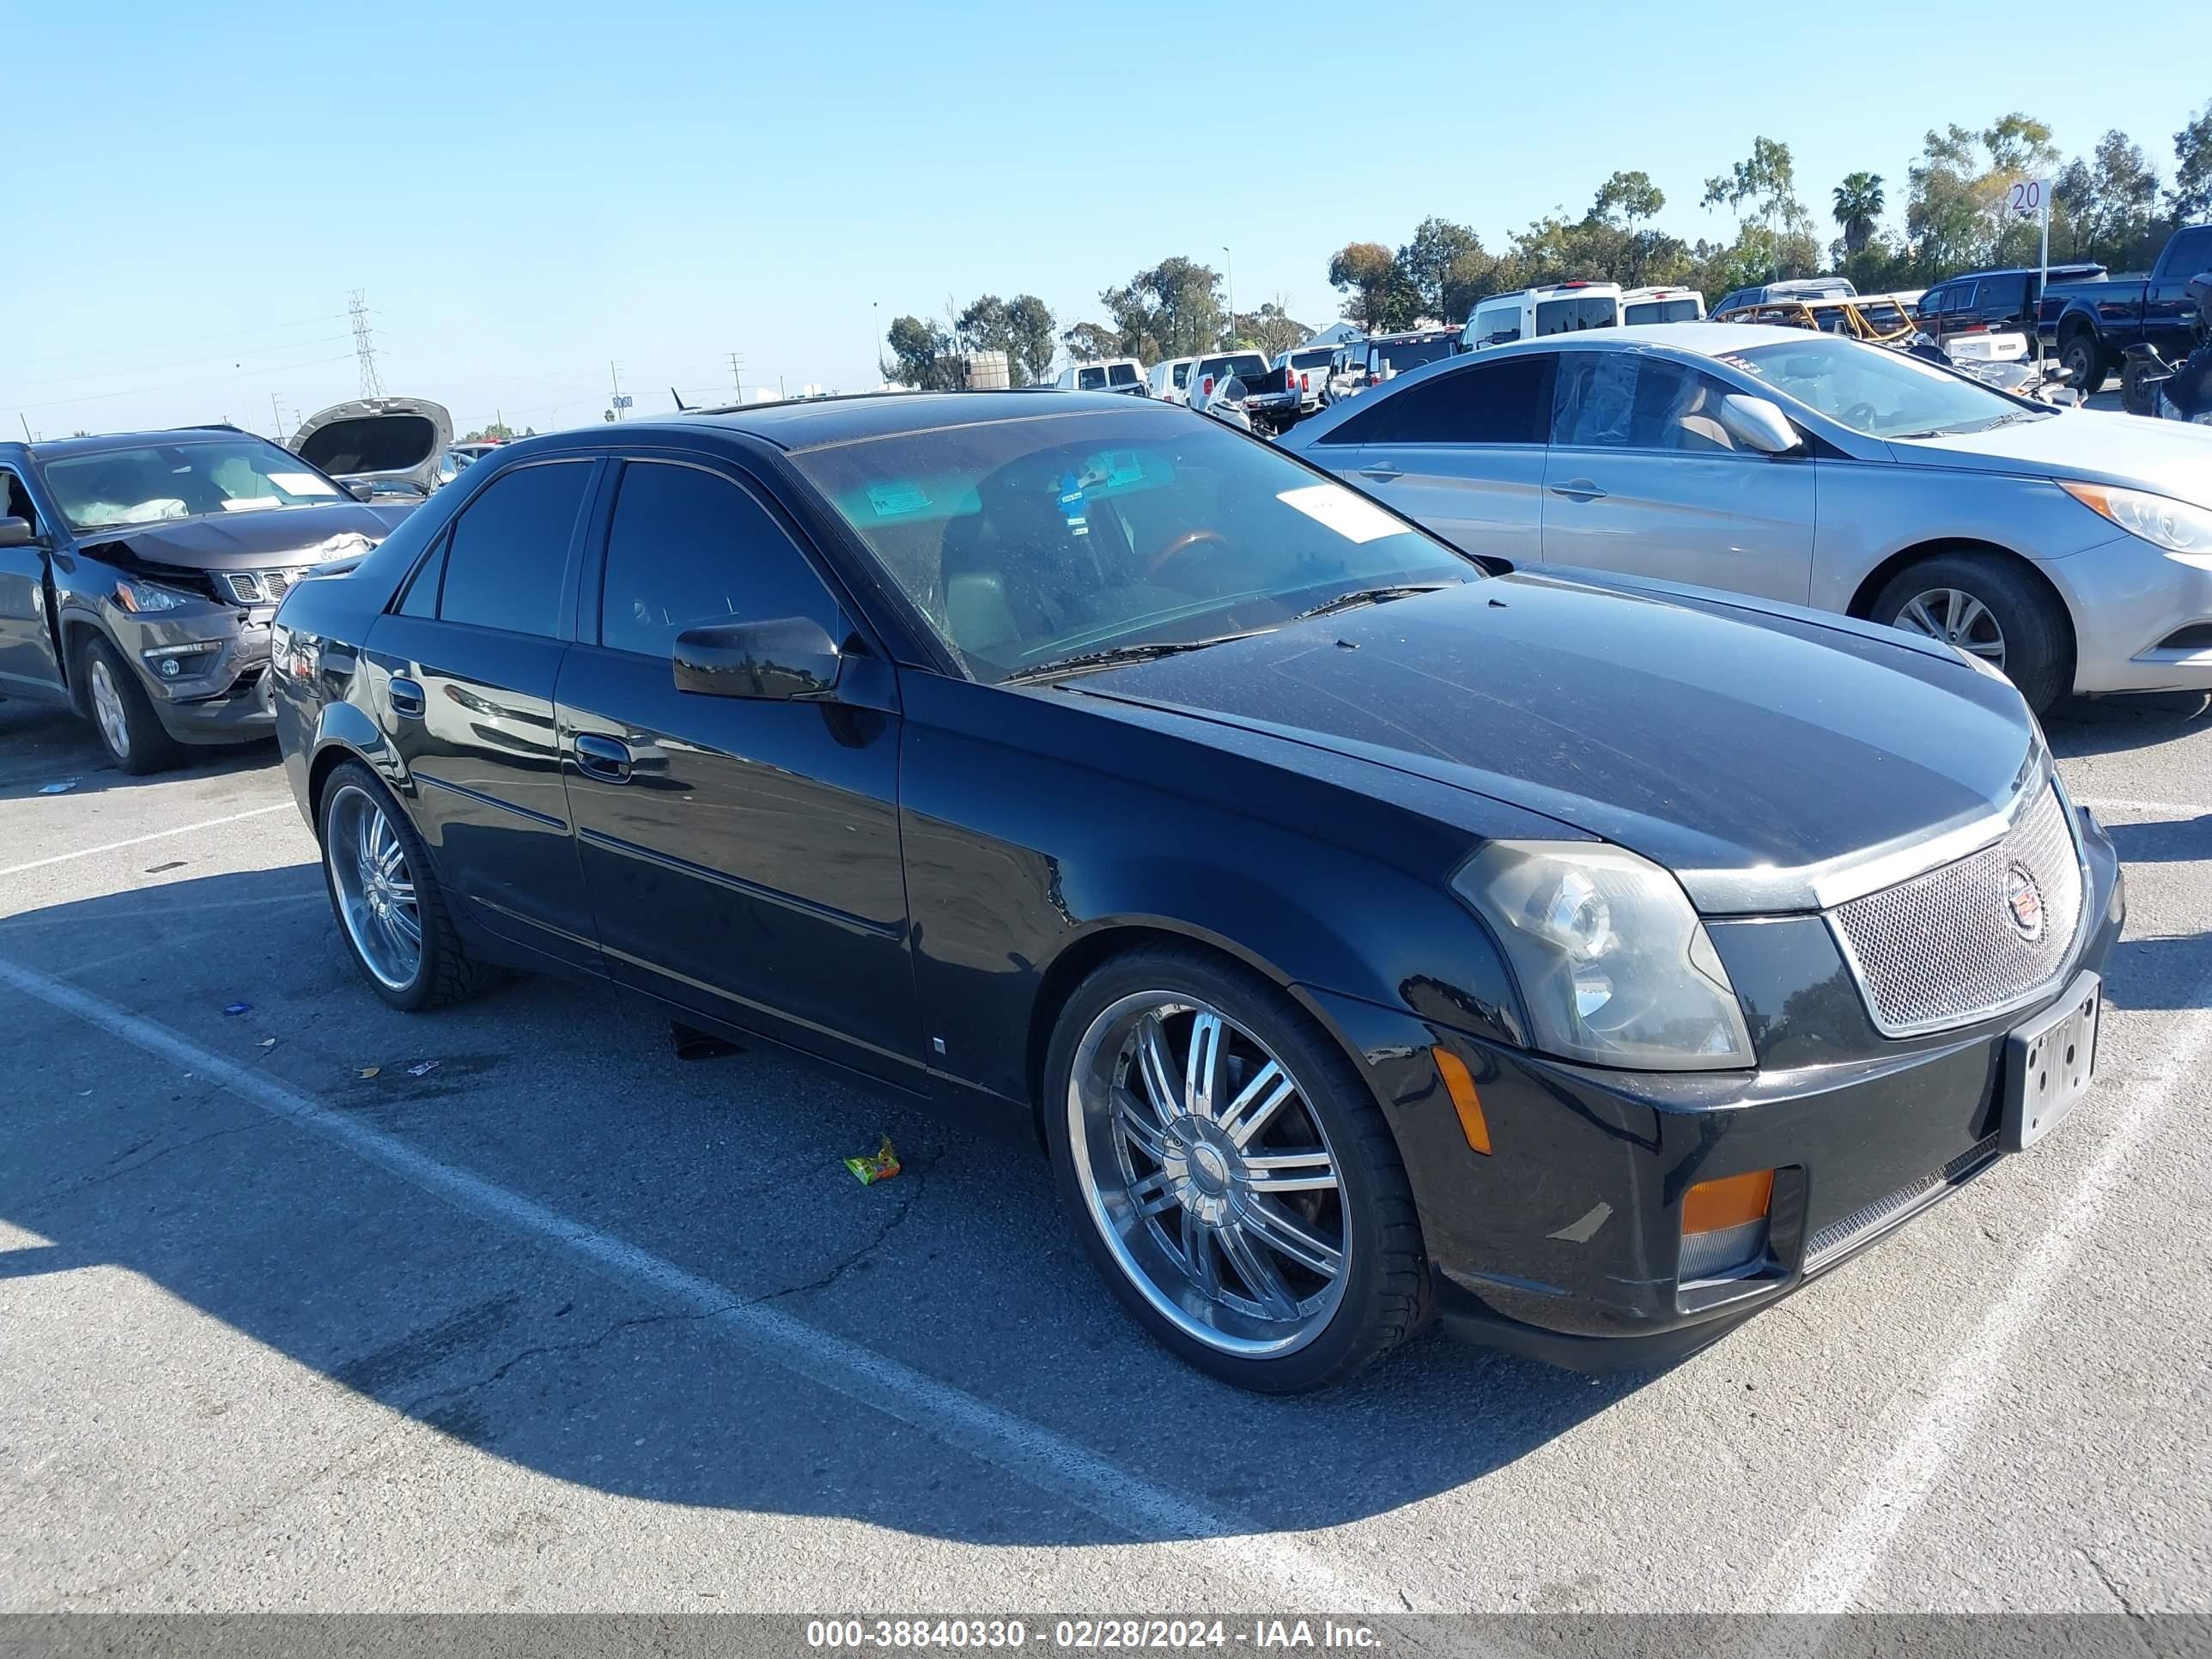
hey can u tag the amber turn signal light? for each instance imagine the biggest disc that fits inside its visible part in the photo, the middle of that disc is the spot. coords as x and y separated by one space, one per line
1713 1206
1459 1083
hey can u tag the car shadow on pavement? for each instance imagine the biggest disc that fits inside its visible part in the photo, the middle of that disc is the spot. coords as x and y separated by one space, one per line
41 745
2080 727
963 1270
2175 840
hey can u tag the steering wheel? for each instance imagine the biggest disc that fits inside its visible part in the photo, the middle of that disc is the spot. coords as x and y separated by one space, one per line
1860 416
1181 545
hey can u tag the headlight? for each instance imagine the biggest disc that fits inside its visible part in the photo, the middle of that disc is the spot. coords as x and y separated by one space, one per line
141 598
2158 519
1614 965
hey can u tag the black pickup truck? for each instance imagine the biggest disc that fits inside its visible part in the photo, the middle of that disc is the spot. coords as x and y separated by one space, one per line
2092 323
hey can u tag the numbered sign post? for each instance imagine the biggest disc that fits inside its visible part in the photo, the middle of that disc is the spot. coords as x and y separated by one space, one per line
2030 198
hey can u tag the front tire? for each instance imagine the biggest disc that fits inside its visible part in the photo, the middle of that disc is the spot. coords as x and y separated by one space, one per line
2138 395
2084 363
391 911
1230 1174
122 713
1988 604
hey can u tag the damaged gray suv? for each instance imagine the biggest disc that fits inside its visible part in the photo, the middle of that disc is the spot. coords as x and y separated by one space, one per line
138 574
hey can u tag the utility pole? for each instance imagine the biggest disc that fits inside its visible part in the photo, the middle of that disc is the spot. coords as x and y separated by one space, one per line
277 413
371 386
737 374
1230 262
616 379
876 338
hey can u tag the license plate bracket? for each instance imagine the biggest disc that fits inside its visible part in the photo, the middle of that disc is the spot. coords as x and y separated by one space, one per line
2049 1063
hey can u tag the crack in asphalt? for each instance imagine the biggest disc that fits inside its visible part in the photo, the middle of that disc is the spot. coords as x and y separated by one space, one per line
920 1170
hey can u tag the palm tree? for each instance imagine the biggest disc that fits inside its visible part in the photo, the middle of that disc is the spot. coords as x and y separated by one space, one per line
1859 203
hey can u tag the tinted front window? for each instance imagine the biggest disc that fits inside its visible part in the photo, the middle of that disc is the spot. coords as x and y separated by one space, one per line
1028 541
510 550
1089 380
1494 403
1626 400
688 548
1181 376
1121 374
1572 315
1310 360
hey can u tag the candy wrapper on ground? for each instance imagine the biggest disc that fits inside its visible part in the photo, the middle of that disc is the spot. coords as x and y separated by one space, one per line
881 1165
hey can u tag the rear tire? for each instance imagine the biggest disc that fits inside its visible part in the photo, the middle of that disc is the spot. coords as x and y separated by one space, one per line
122 713
384 894
2001 603
1190 1236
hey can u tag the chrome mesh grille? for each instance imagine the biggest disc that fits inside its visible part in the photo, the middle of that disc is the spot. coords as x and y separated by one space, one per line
1943 948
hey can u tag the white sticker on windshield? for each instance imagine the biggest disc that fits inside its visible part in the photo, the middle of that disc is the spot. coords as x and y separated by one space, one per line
1352 516
299 483
250 503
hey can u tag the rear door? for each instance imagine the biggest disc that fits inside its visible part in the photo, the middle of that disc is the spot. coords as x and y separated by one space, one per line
2167 311
465 673
1462 451
28 666
1642 479
743 854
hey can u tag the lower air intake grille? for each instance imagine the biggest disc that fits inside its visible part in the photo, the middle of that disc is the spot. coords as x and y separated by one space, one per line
1838 1236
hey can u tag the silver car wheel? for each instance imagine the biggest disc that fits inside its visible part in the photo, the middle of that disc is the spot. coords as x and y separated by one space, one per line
1208 1175
1958 618
108 710
374 887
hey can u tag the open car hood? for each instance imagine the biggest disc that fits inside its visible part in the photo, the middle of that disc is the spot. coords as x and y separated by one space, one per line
378 440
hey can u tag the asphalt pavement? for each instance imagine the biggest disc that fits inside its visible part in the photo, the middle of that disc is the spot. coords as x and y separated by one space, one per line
316 1306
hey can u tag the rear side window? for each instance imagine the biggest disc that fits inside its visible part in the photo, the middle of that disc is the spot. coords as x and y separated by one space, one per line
1496 326
1571 316
1121 374
1182 376
1089 380
509 551
1497 403
688 548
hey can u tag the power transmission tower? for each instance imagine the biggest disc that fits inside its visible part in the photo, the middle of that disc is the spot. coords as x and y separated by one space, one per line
371 386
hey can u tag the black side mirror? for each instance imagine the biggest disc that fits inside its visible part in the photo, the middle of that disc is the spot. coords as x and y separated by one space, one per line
16 532
785 657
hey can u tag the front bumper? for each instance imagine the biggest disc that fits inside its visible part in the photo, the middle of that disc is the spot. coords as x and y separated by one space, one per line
220 693
2128 599
1563 1244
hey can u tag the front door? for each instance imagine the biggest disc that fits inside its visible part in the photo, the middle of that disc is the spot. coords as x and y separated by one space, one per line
1643 478
28 666
464 674
743 854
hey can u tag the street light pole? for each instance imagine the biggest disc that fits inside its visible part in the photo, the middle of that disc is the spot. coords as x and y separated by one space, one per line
1229 259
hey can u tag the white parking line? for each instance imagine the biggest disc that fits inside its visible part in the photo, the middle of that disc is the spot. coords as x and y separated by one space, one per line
155 835
1840 1569
2107 804
1235 1551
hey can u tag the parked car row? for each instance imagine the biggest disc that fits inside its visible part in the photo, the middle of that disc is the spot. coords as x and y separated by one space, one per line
1373 931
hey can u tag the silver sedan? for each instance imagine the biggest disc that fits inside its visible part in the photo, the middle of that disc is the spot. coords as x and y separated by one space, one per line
2073 550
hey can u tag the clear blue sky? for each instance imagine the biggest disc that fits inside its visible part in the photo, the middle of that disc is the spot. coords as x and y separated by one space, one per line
525 193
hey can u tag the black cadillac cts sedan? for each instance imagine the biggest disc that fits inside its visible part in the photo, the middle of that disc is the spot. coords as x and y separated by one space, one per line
1369 933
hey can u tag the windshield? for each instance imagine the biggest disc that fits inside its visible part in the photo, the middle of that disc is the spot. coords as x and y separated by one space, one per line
1661 311
1027 541
1882 393
181 480
1402 355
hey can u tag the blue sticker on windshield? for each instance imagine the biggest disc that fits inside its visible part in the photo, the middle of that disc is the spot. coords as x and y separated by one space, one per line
1071 505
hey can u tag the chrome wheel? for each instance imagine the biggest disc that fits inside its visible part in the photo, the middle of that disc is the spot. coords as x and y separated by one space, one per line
108 710
1958 618
374 887
1208 1175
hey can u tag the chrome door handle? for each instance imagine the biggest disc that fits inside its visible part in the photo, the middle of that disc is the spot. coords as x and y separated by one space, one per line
406 699
1382 473
1578 490
607 759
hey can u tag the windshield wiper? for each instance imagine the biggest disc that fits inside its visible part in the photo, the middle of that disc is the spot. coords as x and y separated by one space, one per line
1115 656
1360 596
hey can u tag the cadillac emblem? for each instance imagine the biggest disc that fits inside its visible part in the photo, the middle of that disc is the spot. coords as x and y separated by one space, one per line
2023 902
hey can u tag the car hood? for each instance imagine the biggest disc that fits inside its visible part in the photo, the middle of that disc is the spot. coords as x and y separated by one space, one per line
2173 457
1775 759
272 539
379 439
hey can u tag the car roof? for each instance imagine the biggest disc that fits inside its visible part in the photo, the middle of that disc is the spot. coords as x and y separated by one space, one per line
48 449
820 422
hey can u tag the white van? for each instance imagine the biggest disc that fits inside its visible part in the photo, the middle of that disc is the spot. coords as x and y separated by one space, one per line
1114 374
1661 305
1170 380
1528 313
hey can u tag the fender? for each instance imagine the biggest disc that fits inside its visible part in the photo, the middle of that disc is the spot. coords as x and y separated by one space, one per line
344 732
